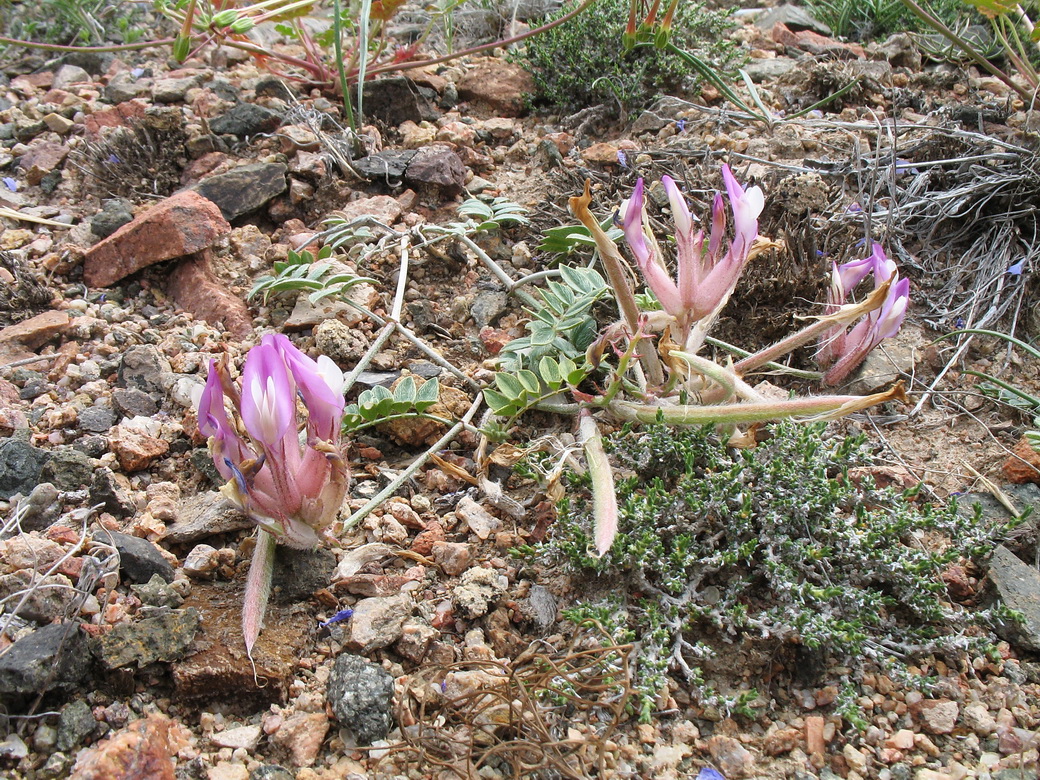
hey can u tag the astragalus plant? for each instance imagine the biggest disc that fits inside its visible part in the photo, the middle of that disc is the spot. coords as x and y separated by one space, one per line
647 366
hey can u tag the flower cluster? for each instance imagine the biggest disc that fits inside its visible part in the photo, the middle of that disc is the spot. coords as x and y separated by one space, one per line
842 350
705 278
283 468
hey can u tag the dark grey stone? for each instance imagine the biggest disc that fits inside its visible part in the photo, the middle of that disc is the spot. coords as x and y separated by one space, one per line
131 402
41 507
51 658
298 574
33 388
97 419
157 593
795 17
41 599
1018 584
115 212
360 694
166 636
145 368
425 369
20 467
139 559
398 99
246 119
271 772
75 724
245 188
272 86
374 378
68 469
437 166
105 489
95 446
487 307
386 166
539 608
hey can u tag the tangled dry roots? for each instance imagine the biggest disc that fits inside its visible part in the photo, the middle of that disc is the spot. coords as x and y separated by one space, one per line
548 714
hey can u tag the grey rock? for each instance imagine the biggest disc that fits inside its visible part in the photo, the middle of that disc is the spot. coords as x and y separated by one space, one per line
1019 587
93 62
75 724
385 166
539 608
360 694
68 469
425 369
56 766
166 636
41 600
272 86
97 419
271 772
173 90
378 622
131 402
439 167
487 307
145 368
122 87
900 51
139 559
246 119
767 70
68 75
40 508
377 378
51 658
115 212
245 188
298 574
204 515
157 593
339 342
95 446
662 113
795 17
20 467
398 99
106 489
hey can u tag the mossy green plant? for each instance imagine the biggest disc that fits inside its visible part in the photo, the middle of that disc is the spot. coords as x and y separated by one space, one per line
582 63
783 542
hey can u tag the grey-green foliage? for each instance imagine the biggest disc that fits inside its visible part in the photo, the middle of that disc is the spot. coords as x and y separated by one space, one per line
562 325
869 20
776 542
70 22
302 271
379 405
581 63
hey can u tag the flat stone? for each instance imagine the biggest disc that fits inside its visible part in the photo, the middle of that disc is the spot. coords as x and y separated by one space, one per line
1019 587
130 402
144 750
68 469
45 598
164 637
814 43
308 315
99 419
388 166
241 737
399 99
145 368
795 17
760 70
51 658
204 515
219 670
495 88
244 189
302 735
298 574
41 159
378 622
19 341
134 449
196 289
382 208
181 225
439 167
246 119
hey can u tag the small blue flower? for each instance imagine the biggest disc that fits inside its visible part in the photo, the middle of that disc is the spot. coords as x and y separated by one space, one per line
1017 268
622 159
709 774
339 617
680 125
11 184
959 323
137 72
113 159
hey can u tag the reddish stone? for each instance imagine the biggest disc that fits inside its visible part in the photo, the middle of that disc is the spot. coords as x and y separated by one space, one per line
17 341
121 115
1023 465
181 225
195 288
405 515
144 750
41 159
814 43
30 82
495 88
494 339
781 741
425 540
197 169
957 582
814 742
135 450
382 208
369 453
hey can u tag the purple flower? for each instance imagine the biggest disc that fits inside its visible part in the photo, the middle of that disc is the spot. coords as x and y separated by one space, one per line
840 351
283 468
705 279
10 183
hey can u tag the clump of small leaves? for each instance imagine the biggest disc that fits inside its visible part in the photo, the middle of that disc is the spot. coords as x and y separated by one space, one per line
779 543
581 63
321 276
875 20
140 161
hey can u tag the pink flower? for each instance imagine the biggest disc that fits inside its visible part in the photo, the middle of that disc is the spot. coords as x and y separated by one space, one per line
840 351
291 488
704 280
